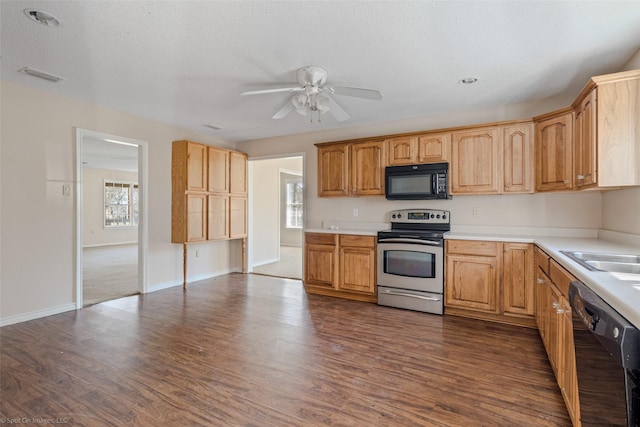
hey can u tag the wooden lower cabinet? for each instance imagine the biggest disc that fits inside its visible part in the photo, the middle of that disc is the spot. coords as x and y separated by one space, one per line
490 280
340 265
554 318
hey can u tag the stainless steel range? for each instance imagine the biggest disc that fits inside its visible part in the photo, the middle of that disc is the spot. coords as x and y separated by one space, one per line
411 260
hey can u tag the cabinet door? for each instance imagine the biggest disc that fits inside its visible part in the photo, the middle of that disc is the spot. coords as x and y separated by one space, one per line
517 267
434 148
569 376
367 168
542 290
556 321
333 170
218 170
237 173
472 283
475 161
319 264
196 167
585 142
218 217
357 263
517 142
554 139
237 217
402 151
196 217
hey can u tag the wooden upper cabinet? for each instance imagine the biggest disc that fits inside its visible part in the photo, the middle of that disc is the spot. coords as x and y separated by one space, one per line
237 172
584 153
434 147
333 170
218 217
237 217
417 149
475 161
367 168
402 151
218 170
554 151
517 143
202 206
607 112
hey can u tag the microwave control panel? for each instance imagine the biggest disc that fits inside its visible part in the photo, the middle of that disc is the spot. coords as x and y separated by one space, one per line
441 183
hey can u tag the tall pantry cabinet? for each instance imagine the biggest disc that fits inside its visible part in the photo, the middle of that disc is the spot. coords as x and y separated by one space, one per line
209 195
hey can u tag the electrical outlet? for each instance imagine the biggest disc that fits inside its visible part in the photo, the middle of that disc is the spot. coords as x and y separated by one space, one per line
476 211
355 212
197 253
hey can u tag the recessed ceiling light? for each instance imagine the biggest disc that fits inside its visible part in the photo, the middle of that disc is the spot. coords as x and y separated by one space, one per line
214 127
41 74
41 17
468 81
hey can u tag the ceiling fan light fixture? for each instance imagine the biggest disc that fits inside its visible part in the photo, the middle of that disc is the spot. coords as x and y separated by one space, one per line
300 103
322 103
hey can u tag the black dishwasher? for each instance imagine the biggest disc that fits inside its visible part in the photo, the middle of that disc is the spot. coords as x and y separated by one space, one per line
607 361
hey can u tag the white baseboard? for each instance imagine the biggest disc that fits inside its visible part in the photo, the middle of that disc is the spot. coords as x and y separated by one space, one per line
190 279
269 261
37 314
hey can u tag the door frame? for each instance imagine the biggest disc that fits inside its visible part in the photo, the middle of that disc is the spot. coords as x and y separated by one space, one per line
143 232
250 226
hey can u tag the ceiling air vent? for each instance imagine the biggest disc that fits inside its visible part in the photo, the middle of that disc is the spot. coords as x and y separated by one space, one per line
37 73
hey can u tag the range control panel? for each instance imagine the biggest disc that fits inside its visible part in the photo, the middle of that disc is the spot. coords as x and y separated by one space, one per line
420 216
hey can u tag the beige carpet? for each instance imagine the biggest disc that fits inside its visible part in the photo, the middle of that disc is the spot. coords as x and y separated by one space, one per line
109 272
289 266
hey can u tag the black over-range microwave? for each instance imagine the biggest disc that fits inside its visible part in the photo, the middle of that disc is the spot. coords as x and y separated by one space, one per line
417 182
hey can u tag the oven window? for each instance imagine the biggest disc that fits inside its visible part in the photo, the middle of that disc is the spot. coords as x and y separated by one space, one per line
410 264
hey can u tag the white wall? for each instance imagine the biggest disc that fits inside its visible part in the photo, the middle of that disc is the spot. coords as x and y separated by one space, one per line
94 232
37 220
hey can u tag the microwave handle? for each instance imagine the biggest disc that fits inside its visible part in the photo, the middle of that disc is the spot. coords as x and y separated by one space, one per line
434 184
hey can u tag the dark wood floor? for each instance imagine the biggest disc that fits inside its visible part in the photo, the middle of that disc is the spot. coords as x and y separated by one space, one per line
249 350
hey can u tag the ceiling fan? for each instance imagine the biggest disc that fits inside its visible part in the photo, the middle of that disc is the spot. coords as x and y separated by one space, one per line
312 95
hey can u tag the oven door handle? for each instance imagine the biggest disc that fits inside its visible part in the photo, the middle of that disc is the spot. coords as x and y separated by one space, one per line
408 240
406 294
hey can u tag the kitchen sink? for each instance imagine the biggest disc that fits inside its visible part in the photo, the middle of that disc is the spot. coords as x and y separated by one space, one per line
614 263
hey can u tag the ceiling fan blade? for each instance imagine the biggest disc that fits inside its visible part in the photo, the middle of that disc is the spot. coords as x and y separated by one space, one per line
357 92
337 111
276 90
286 109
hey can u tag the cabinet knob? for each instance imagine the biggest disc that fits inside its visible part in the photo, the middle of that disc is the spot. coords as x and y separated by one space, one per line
580 177
560 311
555 305
539 281
566 181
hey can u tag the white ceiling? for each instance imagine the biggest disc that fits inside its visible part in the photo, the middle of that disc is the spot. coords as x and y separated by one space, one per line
186 62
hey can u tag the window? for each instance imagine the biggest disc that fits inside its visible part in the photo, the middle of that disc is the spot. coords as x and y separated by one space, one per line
120 204
294 202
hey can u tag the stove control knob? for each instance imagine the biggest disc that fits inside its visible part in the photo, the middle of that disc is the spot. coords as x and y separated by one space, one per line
393 216
399 215
438 216
432 216
444 216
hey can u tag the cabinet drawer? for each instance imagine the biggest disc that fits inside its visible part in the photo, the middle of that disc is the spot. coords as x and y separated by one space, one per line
542 260
320 238
473 247
357 241
560 277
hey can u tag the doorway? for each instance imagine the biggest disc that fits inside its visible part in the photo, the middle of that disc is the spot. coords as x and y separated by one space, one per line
276 216
111 239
